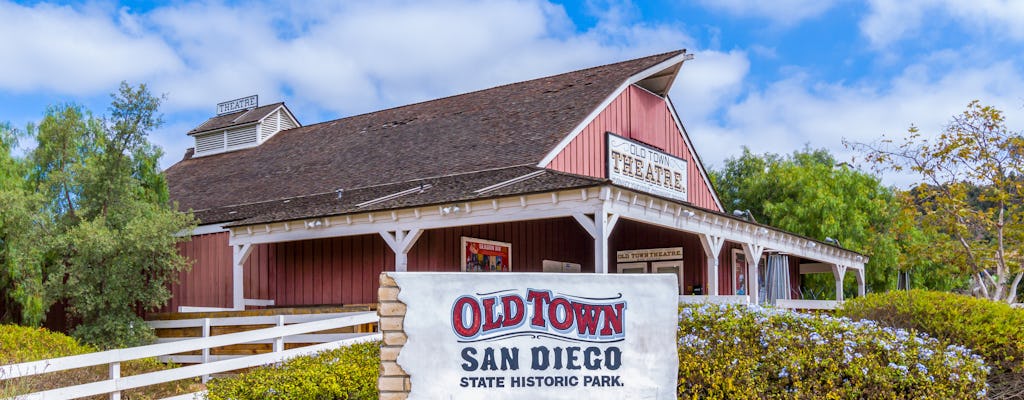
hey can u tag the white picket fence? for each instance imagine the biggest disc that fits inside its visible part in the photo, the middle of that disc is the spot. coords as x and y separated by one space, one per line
296 333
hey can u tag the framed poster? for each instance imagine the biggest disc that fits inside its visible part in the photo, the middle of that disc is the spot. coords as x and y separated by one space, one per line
739 272
479 255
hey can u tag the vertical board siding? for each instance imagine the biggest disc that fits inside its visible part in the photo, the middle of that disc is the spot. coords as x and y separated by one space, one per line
559 239
725 281
639 115
208 282
342 270
794 277
647 121
345 270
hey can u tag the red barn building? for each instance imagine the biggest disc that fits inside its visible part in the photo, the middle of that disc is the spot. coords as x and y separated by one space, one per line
589 171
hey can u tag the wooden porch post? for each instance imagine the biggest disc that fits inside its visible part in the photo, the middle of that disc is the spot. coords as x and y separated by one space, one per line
239 253
400 242
839 272
712 248
753 253
600 228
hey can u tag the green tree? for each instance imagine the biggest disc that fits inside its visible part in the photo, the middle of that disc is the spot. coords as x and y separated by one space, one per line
808 193
972 178
111 247
21 274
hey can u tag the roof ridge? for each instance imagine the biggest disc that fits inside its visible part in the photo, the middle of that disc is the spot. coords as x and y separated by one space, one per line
674 52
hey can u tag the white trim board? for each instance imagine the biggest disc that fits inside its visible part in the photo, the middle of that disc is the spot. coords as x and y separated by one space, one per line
637 206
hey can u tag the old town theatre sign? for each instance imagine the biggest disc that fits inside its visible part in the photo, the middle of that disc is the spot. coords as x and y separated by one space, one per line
644 168
539 336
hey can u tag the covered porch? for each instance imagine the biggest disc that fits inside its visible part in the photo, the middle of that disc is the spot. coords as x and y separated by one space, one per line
601 229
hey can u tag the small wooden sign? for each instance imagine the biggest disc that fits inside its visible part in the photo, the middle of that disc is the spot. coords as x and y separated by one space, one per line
666 253
244 103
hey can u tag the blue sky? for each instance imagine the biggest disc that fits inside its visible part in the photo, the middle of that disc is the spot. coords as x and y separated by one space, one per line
773 76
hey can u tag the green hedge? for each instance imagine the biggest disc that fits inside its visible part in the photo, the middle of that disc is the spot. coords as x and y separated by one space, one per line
346 373
740 352
992 329
20 344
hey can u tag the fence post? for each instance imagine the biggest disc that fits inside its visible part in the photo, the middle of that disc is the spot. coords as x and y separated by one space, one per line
115 374
279 341
206 351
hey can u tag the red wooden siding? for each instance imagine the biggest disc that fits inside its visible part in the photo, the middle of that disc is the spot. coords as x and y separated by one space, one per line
647 122
794 277
642 116
208 283
342 270
345 270
725 281
559 239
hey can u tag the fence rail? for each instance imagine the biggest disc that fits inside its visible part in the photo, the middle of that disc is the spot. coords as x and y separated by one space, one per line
212 364
807 304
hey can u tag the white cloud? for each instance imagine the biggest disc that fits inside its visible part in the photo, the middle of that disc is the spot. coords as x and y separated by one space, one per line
781 12
890 21
364 56
77 51
790 113
708 83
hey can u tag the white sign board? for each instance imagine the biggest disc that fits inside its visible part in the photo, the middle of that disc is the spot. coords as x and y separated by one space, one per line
644 168
539 336
665 253
559 266
231 106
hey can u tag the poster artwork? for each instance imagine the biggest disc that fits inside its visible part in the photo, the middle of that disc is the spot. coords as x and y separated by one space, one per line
480 255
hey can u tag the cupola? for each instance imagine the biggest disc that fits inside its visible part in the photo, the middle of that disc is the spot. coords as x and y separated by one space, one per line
241 124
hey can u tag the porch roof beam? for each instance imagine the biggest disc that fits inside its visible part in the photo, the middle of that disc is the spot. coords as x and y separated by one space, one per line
489 211
616 201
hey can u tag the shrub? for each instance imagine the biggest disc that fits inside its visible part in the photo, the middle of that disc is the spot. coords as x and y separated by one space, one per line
992 329
20 344
740 352
346 373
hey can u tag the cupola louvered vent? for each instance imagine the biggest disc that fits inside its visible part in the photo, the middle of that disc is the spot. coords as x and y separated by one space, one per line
241 129
243 137
209 143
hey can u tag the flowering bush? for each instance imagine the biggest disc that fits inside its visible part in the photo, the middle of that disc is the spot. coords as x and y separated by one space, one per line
992 329
740 352
346 373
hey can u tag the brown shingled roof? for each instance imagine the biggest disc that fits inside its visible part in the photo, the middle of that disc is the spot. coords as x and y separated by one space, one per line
491 129
235 118
435 191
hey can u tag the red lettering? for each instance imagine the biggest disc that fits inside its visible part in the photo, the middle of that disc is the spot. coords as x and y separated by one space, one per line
516 316
612 319
553 312
459 323
587 318
492 320
538 299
